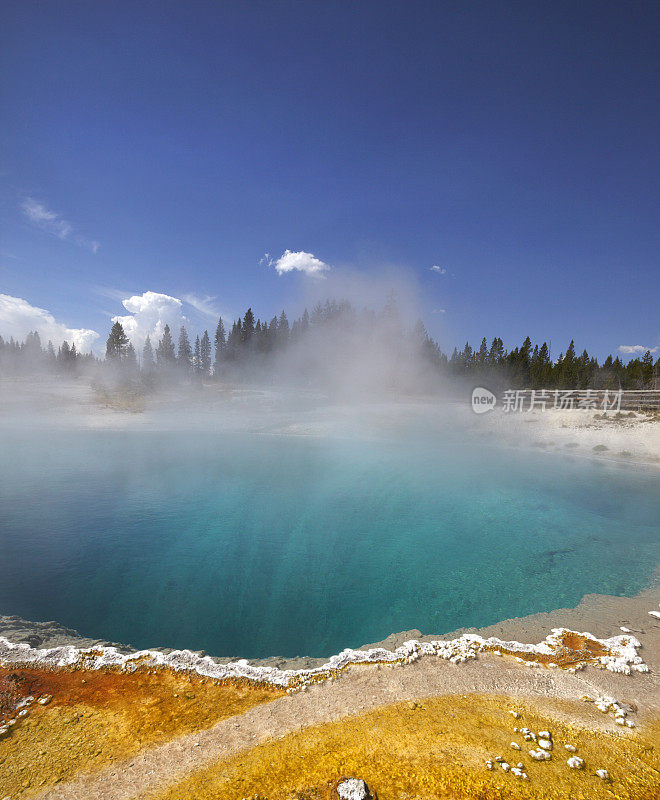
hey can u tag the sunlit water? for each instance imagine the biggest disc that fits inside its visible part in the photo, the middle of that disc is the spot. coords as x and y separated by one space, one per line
247 545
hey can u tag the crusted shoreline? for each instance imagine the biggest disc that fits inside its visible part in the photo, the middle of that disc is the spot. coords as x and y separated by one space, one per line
601 615
563 647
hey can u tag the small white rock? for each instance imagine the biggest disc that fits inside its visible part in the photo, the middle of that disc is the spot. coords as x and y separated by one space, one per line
353 789
571 748
545 734
514 714
630 723
515 745
603 774
575 762
539 755
546 744
506 767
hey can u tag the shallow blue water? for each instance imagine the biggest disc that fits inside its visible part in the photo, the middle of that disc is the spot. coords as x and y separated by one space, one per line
251 546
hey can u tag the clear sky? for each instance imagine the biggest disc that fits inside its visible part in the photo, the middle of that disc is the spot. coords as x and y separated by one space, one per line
166 147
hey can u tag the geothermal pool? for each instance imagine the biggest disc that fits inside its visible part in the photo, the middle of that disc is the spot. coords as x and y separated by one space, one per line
254 545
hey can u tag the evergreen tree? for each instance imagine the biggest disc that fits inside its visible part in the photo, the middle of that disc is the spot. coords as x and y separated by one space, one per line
567 373
282 330
117 343
220 343
466 356
234 340
647 370
197 357
165 349
147 355
130 357
184 354
247 330
482 357
64 353
205 354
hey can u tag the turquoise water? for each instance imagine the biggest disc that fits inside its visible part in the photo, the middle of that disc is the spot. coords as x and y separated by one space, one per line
247 545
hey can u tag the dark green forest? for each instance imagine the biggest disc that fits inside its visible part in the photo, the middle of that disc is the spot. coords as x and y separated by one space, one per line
249 349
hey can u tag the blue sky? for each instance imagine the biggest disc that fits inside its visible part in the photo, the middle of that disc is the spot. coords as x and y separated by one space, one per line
166 147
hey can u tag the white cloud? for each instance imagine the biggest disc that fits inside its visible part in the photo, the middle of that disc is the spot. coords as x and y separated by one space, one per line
51 222
636 349
300 261
439 310
439 270
202 304
148 314
18 318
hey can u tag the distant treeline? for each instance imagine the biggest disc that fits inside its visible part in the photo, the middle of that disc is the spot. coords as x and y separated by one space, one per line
250 346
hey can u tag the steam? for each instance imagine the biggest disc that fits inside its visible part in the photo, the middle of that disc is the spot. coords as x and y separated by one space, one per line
350 339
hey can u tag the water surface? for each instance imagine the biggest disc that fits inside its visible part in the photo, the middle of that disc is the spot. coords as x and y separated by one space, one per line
253 545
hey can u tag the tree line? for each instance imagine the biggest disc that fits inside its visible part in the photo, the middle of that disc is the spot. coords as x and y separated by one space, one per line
253 343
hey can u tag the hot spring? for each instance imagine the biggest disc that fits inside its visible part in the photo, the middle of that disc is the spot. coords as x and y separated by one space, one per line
251 545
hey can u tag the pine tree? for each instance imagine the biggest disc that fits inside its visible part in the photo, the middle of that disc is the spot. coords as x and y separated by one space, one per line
233 340
467 355
647 370
482 358
220 343
165 349
130 357
282 330
63 351
197 357
247 330
118 342
184 354
205 354
567 374
147 355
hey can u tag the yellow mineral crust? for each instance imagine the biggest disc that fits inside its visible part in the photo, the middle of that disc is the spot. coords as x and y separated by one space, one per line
438 748
97 717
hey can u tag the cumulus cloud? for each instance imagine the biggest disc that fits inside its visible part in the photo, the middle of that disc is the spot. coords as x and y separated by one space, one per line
18 318
52 222
439 270
636 349
300 262
149 312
